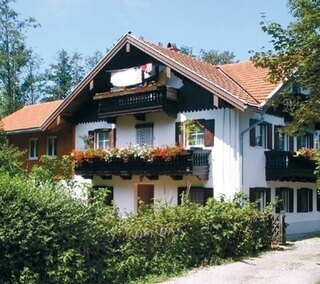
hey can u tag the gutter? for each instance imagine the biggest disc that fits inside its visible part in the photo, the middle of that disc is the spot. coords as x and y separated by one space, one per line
262 113
37 129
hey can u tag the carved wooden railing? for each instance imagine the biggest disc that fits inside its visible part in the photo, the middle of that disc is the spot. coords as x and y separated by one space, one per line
191 162
140 100
285 166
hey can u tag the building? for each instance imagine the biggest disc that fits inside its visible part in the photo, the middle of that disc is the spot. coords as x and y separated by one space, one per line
25 129
145 94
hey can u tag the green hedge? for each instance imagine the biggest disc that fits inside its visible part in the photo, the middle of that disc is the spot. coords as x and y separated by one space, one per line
48 237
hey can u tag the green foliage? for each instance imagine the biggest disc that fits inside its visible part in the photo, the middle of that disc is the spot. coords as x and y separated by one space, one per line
10 158
295 55
52 169
215 57
172 239
46 236
14 56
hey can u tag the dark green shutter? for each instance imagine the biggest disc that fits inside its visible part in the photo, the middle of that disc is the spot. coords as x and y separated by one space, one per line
180 191
252 196
268 195
290 200
269 135
209 132
291 147
276 137
179 134
278 196
208 193
253 132
310 200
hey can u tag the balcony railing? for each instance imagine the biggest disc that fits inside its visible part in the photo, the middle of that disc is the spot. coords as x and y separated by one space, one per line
138 100
285 166
194 162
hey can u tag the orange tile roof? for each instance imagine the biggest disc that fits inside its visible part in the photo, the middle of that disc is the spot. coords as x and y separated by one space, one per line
242 80
250 78
206 71
29 117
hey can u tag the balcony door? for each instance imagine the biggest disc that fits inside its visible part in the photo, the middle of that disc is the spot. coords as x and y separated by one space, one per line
145 193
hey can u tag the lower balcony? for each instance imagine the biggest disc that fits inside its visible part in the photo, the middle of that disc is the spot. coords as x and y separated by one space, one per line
285 166
188 162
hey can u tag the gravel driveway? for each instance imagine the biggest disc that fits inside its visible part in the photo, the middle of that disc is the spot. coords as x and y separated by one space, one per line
298 262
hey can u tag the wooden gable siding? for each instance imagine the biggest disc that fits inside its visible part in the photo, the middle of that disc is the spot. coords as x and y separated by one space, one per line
65 143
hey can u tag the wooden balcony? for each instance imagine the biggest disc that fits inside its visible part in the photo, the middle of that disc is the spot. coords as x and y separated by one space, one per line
138 100
194 162
285 166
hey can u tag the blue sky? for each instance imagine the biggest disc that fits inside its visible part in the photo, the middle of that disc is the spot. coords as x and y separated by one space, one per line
90 25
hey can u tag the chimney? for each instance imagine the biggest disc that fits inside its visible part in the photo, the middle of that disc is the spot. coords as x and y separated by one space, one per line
172 46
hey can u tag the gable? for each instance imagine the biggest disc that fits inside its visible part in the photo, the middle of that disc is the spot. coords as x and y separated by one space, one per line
131 51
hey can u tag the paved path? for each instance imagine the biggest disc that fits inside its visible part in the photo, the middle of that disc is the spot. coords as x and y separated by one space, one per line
297 263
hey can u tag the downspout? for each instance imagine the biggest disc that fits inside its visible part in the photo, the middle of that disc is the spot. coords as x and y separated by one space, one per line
261 112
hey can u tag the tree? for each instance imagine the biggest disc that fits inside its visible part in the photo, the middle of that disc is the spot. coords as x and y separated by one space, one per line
215 57
295 57
59 78
31 87
14 56
92 61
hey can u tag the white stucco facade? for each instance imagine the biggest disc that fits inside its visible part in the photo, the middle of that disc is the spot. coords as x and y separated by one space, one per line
234 164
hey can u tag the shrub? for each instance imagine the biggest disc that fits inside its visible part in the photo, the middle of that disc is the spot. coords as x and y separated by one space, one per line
46 236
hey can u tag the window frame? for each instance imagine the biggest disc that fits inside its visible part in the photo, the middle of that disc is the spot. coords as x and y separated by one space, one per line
265 129
34 143
208 135
304 195
253 191
111 133
144 127
206 192
305 141
97 137
53 145
289 201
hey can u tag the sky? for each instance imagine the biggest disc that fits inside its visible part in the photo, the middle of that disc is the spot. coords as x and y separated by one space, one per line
87 26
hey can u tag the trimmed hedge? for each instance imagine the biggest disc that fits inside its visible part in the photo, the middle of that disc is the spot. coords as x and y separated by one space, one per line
48 237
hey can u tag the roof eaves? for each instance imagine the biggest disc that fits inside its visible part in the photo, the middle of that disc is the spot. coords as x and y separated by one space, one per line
275 91
86 80
20 131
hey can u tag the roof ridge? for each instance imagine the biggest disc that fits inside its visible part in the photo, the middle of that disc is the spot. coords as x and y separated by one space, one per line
196 59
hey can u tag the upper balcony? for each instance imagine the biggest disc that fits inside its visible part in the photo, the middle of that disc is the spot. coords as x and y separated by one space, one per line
139 100
188 162
285 166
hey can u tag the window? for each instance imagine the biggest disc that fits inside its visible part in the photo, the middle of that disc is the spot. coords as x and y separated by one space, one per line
52 146
261 196
305 141
108 198
195 133
102 138
144 134
285 196
279 138
33 149
304 200
198 195
261 134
